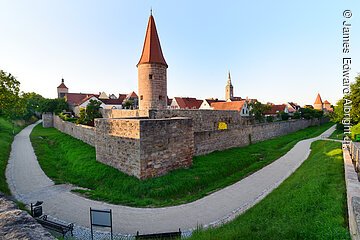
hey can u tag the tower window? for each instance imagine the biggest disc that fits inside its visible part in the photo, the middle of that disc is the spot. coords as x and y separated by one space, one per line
141 97
160 97
150 76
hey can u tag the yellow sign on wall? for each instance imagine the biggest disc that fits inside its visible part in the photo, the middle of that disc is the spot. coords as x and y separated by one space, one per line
222 126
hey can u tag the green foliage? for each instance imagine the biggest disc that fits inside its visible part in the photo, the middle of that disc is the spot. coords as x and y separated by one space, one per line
33 104
337 134
66 159
129 104
284 116
11 105
91 112
257 110
338 113
355 130
310 204
297 115
309 113
7 132
56 105
269 119
355 98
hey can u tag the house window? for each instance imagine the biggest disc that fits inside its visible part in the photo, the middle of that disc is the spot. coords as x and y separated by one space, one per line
141 97
150 76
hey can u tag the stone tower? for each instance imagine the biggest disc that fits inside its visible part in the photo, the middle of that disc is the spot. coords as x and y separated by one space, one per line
152 69
62 89
229 89
318 104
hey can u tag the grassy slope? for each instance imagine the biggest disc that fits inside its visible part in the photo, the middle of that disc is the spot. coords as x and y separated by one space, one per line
66 159
6 138
310 204
337 134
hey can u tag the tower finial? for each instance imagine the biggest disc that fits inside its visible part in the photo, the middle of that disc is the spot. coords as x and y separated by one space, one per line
150 11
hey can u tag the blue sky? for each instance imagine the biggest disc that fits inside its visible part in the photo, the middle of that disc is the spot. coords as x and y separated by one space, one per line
277 51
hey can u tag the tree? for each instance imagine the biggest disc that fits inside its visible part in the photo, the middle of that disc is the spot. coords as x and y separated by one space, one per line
129 104
91 112
33 103
284 116
257 110
56 105
354 96
11 105
297 115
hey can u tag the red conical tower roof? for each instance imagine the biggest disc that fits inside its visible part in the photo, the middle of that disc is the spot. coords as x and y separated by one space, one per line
152 49
318 99
62 85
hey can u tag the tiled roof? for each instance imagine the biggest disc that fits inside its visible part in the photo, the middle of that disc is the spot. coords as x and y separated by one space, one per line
276 109
234 105
78 98
62 85
326 102
318 99
131 95
112 101
122 97
152 49
213 100
188 103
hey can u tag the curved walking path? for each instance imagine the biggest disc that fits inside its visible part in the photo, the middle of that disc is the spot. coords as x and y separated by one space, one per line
28 183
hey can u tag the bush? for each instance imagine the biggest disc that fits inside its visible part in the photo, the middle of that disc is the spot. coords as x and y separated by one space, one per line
354 131
284 116
297 115
269 119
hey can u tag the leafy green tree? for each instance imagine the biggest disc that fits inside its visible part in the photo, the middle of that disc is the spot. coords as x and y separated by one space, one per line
33 103
309 113
91 112
269 119
129 104
257 110
297 115
355 98
56 105
284 116
11 105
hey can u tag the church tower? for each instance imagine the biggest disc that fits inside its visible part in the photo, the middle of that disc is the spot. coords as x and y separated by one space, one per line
229 90
62 89
152 69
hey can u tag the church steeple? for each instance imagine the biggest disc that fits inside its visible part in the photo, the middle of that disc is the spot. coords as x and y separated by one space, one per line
152 52
229 89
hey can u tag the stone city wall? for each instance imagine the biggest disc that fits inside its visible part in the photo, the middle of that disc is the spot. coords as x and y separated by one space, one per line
47 120
122 113
203 120
209 141
82 132
118 144
166 144
145 147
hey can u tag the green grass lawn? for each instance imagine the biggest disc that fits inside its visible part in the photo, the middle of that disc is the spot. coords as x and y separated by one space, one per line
6 138
337 134
68 160
310 204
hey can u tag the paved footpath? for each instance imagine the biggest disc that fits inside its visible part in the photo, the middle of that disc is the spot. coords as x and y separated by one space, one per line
28 183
